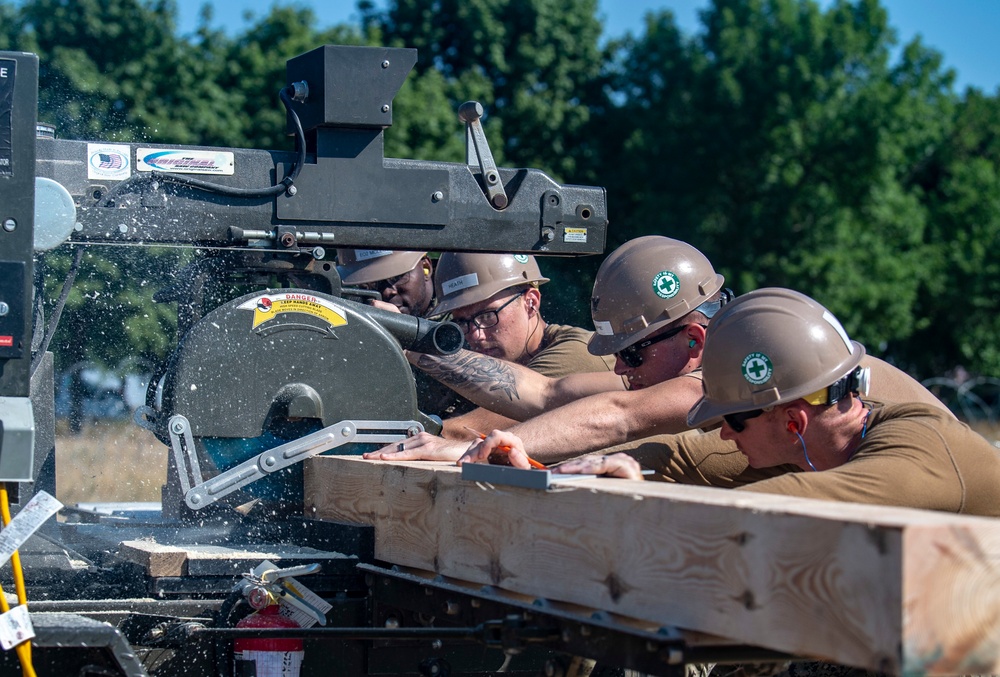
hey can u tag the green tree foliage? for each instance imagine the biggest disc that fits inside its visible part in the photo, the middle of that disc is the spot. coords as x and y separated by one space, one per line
540 59
958 302
104 64
782 142
9 27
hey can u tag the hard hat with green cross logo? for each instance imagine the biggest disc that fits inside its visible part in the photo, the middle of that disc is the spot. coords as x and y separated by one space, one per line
769 347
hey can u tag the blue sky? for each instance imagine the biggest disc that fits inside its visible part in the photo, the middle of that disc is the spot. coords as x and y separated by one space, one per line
963 30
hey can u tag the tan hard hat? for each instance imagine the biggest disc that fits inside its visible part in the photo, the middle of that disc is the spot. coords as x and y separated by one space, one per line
645 284
360 266
462 279
769 347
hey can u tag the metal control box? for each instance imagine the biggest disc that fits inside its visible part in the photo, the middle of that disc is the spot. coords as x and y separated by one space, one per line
17 439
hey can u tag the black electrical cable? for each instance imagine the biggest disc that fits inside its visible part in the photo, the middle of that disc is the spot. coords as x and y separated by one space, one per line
50 330
285 185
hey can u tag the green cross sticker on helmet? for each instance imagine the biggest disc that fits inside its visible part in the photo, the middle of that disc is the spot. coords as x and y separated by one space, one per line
757 368
666 284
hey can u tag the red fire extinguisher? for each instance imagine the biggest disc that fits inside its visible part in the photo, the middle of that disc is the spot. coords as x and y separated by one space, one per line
270 657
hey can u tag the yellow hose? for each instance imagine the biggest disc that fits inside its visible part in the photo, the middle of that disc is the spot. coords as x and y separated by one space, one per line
24 648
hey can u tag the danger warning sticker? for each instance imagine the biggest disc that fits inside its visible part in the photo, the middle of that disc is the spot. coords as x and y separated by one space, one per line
270 306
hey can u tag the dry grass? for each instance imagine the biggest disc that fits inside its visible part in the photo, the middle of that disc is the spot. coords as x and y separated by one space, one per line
109 461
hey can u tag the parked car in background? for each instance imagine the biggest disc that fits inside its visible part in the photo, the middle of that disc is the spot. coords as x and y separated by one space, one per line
87 392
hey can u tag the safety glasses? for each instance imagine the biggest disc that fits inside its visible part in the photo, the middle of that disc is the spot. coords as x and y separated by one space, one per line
738 421
485 319
632 355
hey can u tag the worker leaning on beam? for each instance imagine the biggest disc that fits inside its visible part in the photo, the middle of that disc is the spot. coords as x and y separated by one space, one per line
495 299
788 386
404 279
652 300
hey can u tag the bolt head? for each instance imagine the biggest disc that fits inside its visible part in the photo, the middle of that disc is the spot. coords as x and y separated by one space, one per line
385 64
385 108
10 225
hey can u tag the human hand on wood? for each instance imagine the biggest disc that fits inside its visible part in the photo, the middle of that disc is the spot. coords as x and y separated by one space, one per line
499 448
615 465
420 447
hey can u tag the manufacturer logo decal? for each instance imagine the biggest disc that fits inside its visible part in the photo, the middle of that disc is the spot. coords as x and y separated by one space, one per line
666 284
185 161
520 258
757 368
108 161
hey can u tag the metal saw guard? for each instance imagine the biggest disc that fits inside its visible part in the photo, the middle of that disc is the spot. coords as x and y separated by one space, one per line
288 355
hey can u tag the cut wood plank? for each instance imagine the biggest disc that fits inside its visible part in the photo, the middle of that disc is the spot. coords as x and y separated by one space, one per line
887 589
158 559
161 559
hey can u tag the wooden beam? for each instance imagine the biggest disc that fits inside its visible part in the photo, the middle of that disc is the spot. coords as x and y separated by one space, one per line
886 589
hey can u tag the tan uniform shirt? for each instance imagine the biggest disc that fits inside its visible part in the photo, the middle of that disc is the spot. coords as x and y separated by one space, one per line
912 456
708 460
564 351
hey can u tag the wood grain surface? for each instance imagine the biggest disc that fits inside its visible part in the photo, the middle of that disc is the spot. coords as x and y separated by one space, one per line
826 580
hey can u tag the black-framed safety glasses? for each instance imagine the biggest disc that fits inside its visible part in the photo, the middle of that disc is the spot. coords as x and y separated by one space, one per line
381 285
487 318
632 355
738 421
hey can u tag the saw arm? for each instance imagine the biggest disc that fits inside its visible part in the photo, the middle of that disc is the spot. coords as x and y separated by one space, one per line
200 493
337 189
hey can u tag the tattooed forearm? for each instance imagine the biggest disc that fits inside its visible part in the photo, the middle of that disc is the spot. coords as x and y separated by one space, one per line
471 373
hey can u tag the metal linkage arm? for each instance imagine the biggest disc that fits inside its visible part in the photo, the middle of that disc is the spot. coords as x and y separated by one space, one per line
206 492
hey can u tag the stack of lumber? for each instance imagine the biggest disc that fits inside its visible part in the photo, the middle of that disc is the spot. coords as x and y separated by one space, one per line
888 589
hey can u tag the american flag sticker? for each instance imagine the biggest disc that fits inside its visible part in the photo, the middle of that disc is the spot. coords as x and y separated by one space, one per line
109 161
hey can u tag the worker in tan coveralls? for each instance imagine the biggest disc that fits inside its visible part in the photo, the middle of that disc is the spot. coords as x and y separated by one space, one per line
789 387
653 298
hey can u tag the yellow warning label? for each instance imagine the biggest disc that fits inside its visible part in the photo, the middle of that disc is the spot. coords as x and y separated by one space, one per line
270 306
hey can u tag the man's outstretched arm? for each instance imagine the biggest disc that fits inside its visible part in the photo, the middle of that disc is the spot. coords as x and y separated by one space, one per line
509 389
601 421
